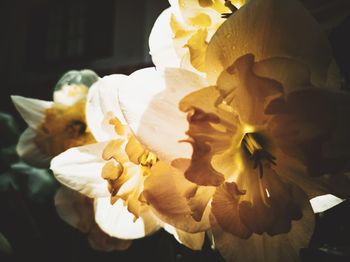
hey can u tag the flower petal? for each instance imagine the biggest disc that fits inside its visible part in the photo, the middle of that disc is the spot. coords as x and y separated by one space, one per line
102 105
161 44
318 134
74 208
80 168
150 106
269 33
264 248
193 241
322 203
100 241
29 152
117 221
31 110
166 190
225 210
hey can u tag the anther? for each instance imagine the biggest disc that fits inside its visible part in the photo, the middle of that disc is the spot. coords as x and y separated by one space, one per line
230 6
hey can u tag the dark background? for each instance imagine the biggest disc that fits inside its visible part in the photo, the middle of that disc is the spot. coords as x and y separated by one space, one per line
42 39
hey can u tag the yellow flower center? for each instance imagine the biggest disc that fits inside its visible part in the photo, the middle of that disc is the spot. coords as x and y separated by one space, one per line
63 128
127 162
256 151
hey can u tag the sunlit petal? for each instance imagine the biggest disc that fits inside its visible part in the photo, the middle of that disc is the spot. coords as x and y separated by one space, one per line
31 110
102 105
193 241
161 44
80 169
117 221
269 33
150 106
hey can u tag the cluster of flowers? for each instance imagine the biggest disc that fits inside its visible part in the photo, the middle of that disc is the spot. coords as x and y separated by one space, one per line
239 124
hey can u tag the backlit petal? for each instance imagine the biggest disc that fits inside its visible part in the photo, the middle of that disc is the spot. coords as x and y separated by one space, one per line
80 169
31 110
150 106
193 241
117 221
161 44
166 190
269 33
102 105
29 152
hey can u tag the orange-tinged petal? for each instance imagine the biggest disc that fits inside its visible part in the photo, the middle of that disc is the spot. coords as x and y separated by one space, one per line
197 46
246 92
269 33
225 210
166 191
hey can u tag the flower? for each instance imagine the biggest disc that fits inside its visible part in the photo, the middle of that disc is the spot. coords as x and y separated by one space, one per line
267 118
58 125
180 35
112 171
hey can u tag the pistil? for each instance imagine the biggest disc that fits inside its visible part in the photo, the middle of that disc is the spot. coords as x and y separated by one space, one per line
257 153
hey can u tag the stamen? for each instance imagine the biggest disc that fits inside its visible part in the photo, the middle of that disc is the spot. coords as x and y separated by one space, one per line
148 159
230 6
258 154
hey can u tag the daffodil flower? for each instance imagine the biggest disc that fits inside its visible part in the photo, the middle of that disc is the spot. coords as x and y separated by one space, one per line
112 171
57 125
180 35
266 128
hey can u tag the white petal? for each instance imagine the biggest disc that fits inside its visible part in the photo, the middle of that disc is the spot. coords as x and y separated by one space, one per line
322 203
29 152
117 221
80 168
193 241
32 110
103 99
161 43
74 208
150 106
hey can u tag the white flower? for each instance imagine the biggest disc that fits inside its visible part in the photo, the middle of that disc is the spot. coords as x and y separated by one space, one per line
57 125
113 170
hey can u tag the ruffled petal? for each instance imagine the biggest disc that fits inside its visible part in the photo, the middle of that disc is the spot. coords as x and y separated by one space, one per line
269 33
318 134
246 92
102 106
211 132
166 191
193 241
31 110
80 169
150 106
161 44
117 221
265 248
75 209
225 210
29 152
